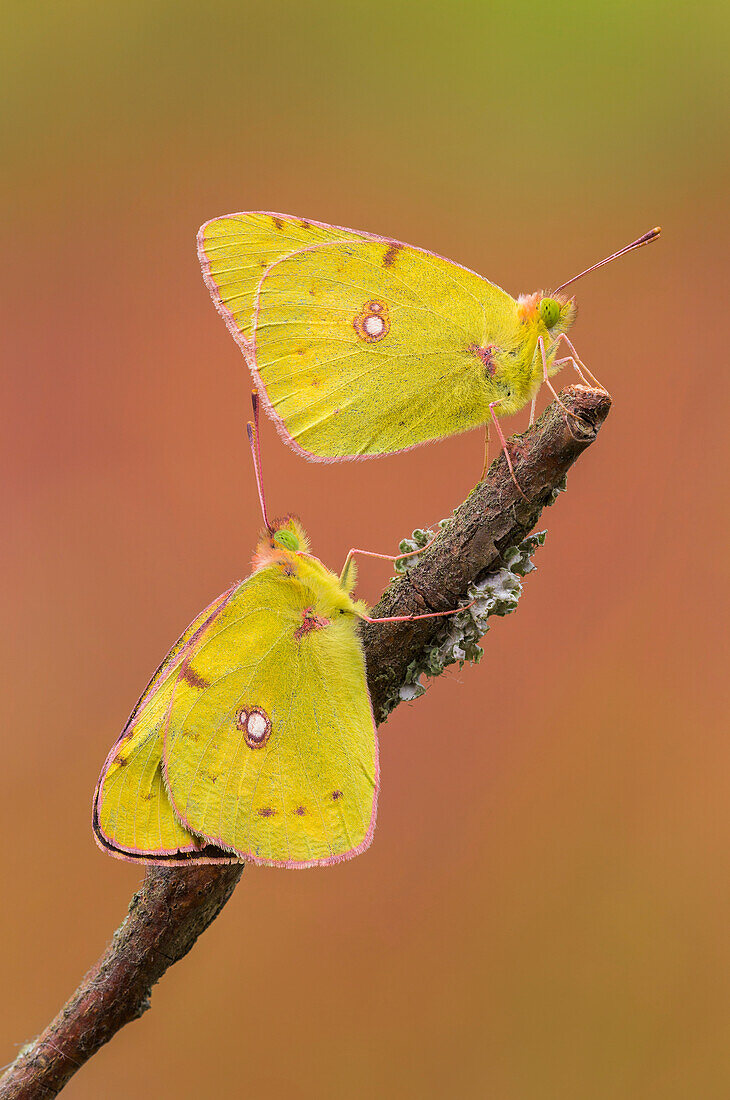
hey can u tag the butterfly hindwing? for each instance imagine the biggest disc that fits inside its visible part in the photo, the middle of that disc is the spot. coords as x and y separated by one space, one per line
275 756
368 347
132 815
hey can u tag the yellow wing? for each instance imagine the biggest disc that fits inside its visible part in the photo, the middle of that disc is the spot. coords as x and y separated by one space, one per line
236 250
132 815
369 347
274 757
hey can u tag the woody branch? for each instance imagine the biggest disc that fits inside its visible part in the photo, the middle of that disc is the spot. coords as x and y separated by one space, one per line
174 905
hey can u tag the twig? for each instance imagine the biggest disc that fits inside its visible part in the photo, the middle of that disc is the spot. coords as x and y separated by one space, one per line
174 905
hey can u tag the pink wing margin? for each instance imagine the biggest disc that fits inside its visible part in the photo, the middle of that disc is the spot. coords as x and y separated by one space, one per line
249 349
194 854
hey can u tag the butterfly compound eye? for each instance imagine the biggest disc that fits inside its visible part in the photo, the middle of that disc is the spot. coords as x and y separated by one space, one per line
287 539
549 311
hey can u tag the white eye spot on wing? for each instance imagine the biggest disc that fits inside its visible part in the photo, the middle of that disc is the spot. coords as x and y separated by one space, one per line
373 325
256 724
372 322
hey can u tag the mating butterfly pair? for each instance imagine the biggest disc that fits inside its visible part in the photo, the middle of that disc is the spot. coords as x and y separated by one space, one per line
255 739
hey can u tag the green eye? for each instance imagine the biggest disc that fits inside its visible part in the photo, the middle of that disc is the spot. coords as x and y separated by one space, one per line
549 311
287 539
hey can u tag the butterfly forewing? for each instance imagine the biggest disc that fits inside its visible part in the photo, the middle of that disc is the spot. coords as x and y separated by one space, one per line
275 756
132 815
357 343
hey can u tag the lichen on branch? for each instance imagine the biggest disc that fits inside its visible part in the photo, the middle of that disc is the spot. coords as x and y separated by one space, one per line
457 637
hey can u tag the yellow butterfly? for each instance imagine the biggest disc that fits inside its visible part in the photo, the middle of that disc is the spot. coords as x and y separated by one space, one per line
363 346
255 739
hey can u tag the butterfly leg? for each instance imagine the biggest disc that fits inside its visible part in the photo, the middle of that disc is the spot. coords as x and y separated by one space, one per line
579 372
548 383
412 618
532 411
385 557
578 363
503 441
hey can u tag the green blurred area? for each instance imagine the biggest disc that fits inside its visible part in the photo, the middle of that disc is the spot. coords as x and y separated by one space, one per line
504 96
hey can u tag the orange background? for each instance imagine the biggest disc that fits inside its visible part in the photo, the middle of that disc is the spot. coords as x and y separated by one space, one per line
544 911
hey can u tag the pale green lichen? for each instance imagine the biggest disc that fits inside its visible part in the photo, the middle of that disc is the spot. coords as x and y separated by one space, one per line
559 488
421 536
457 637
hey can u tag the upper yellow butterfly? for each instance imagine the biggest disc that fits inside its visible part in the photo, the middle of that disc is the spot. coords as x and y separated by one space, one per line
363 346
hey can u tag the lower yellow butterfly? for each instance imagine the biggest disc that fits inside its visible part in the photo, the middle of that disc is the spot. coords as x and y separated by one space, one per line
255 739
361 345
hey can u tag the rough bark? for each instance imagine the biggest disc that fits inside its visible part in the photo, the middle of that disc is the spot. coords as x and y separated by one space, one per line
493 517
174 905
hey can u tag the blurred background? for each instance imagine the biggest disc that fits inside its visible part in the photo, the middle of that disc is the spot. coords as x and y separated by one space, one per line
544 911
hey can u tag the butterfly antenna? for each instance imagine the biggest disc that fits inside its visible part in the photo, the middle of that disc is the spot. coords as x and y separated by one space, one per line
253 440
645 239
